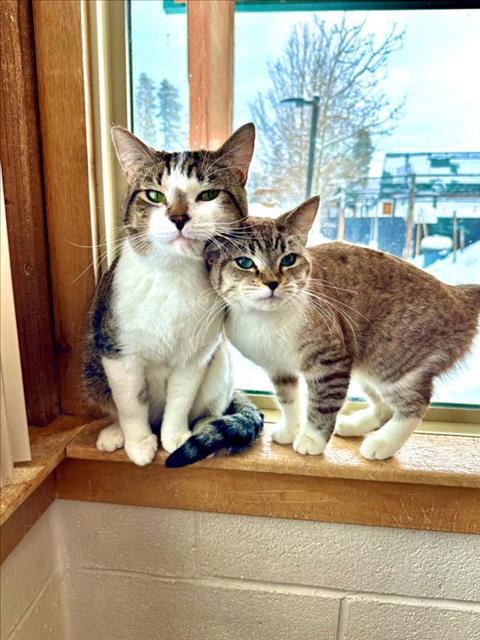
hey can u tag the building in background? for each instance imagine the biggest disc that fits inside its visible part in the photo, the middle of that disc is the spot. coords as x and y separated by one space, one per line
423 204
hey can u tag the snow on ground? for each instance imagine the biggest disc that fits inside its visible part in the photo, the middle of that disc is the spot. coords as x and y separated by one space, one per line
437 242
465 269
461 386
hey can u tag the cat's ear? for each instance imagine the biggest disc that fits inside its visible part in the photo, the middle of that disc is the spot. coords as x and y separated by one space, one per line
300 220
212 254
221 246
131 151
237 151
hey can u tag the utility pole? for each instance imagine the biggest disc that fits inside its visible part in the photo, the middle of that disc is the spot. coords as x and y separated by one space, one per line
410 212
455 236
301 102
311 150
341 216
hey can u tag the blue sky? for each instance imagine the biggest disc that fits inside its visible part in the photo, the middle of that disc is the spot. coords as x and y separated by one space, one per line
437 69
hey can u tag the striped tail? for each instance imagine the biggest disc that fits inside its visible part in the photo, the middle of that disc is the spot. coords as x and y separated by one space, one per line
235 431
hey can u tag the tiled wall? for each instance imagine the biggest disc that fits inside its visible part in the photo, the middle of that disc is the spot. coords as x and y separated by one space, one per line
104 572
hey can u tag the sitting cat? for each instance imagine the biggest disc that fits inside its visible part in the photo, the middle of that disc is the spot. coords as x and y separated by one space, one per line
330 310
155 349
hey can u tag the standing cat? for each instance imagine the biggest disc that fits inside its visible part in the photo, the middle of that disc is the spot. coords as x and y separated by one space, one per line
327 311
155 349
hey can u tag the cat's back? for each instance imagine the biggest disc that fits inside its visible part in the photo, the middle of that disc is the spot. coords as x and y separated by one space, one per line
358 268
383 295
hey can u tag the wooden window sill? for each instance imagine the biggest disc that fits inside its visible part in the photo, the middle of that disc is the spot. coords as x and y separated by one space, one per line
433 483
31 489
425 459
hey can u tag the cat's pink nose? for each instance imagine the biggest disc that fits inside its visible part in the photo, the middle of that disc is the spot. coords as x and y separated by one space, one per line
180 221
272 285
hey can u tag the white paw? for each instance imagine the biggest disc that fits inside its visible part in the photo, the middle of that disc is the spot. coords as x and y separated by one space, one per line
172 441
309 444
378 447
284 433
110 439
357 424
142 451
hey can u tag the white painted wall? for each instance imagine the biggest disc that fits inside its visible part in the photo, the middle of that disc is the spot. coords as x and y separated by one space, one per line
32 588
132 573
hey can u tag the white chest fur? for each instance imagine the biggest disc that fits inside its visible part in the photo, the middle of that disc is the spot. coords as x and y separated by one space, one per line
267 338
163 306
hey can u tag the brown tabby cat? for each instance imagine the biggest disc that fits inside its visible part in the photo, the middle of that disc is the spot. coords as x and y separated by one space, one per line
332 310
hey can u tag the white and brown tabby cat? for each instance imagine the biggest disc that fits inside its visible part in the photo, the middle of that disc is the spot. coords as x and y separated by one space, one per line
155 353
328 311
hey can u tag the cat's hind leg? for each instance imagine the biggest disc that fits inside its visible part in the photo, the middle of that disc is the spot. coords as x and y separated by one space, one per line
365 420
409 398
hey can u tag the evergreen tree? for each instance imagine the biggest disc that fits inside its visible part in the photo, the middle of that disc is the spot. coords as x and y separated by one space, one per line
169 115
145 110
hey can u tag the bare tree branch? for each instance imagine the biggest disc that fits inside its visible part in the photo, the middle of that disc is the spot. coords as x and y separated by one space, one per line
344 65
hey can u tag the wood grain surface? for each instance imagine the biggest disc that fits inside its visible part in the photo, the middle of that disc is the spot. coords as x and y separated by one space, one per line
59 54
48 450
424 459
22 520
210 68
388 504
21 160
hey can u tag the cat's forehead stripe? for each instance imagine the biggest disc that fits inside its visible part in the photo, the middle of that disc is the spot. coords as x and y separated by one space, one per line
178 180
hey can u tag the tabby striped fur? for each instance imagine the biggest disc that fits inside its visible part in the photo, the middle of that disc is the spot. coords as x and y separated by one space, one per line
340 309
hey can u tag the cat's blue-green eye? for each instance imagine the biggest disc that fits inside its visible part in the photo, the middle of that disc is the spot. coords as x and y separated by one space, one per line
288 260
156 196
208 195
245 263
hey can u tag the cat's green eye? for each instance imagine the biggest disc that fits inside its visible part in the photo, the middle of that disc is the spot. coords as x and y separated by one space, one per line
288 260
156 196
245 263
208 195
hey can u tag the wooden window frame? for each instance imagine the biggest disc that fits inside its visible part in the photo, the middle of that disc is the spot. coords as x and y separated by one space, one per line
69 92
55 69
21 160
54 191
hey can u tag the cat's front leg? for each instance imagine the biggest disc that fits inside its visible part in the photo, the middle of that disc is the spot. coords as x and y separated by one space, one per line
288 396
182 389
126 377
326 394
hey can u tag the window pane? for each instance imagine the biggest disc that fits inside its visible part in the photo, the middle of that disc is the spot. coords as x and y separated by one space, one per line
397 145
159 73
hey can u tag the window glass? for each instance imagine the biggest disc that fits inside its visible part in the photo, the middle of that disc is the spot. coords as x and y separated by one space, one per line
396 139
159 73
